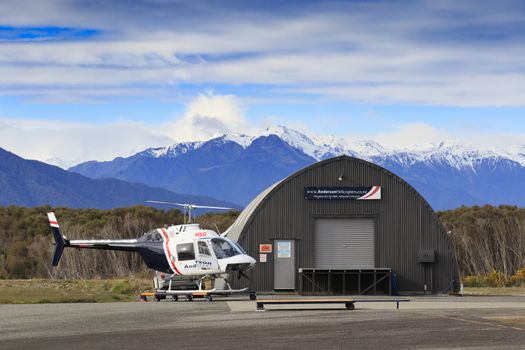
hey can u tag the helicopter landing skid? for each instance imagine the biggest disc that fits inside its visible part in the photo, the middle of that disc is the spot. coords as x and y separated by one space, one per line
191 294
198 292
229 291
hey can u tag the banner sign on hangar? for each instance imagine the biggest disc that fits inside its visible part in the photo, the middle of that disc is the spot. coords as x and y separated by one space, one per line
354 193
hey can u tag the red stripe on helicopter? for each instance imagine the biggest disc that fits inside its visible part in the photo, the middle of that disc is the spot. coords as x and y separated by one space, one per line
53 223
167 248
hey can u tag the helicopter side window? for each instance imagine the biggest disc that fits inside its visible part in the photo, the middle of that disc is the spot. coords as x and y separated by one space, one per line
203 248
185 251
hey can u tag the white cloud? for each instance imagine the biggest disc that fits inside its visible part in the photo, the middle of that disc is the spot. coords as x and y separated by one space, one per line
425 53
209 116
420 135
66 144
411 136
506 142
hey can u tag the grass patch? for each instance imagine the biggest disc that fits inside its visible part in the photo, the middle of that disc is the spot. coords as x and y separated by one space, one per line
513 320
38 291
122 287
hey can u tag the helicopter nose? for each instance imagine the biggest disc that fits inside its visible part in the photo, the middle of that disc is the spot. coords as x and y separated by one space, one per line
252 262
249 262
244 264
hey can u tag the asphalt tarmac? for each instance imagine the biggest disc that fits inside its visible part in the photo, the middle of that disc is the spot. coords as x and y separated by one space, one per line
424 323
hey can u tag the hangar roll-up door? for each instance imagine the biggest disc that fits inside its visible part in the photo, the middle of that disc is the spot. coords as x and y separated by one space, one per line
344 243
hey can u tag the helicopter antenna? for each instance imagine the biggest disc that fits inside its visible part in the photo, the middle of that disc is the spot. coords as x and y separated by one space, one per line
189 208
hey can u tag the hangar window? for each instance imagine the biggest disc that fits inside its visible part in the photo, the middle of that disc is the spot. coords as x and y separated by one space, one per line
185 251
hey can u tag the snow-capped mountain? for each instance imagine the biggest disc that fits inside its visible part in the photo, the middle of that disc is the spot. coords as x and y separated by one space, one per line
516 153
451 152
170 151
237 167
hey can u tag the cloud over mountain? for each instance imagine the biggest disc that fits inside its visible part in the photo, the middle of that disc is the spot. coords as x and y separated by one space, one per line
208 116
64 144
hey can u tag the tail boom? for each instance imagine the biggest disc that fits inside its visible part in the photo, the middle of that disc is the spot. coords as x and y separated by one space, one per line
128 245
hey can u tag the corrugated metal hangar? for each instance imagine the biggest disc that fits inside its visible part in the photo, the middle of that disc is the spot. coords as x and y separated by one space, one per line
345 226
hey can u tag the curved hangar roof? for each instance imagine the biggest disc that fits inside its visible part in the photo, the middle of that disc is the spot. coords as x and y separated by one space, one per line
234 231
405 224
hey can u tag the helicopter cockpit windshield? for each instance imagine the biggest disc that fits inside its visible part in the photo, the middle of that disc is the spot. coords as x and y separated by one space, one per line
224 248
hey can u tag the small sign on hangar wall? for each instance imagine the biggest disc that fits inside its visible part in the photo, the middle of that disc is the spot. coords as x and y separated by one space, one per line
263 258
265 248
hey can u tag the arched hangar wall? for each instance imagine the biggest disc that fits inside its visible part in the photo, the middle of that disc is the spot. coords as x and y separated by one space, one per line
404 223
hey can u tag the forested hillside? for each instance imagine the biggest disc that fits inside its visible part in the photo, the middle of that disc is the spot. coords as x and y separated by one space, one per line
486 239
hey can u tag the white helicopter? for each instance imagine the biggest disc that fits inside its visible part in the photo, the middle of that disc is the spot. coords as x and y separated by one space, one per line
178 250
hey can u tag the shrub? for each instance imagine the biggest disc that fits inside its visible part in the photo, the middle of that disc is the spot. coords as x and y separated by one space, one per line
518 279
496 279
473 281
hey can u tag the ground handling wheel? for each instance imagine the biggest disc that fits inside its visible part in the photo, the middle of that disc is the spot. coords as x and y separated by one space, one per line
350 306
174 298
157 297
209 298
253 296
189 297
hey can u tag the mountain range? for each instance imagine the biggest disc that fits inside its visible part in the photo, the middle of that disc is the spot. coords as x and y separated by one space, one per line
33 183
235 167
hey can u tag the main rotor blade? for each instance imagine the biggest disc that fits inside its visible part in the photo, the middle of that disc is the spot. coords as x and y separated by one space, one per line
193 206
170 203
208 207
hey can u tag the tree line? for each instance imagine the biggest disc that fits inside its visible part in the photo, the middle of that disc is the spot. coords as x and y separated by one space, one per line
489 243
487 240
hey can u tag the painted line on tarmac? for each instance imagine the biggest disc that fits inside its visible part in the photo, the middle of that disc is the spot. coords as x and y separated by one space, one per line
476 322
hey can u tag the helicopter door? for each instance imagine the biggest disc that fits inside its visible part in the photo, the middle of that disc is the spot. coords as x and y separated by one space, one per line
204 259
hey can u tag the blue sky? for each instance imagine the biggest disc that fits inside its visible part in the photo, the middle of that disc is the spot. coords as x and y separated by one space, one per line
165 71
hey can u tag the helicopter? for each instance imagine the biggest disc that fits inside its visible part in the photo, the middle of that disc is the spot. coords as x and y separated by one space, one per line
185 250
